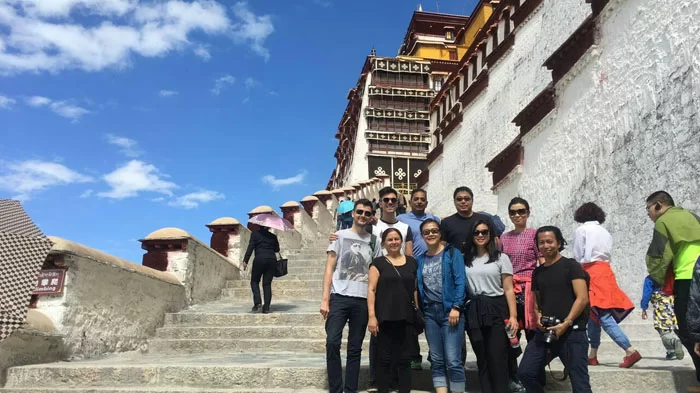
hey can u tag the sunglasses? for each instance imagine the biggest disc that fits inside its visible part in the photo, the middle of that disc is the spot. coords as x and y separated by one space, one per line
519 212
484 233
366 213
434 231
463 199
390 200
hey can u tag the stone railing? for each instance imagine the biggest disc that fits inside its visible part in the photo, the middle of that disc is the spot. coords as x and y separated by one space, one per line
199 268
106 305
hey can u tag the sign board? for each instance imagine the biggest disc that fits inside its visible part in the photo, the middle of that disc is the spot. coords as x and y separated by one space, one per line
50 282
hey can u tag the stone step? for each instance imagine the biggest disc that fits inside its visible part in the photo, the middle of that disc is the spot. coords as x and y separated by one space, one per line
303 276
291 269
164 389
279 294
317 344
286 284
278 371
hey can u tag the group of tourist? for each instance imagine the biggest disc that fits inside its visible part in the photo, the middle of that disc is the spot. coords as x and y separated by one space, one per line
414 273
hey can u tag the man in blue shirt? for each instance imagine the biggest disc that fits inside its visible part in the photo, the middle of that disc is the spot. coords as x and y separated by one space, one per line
418 203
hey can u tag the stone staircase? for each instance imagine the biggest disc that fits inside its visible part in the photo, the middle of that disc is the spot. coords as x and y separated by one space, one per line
222 347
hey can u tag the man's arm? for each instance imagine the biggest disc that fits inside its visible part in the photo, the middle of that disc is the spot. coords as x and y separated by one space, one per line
331 261
579 245
409 243
659 255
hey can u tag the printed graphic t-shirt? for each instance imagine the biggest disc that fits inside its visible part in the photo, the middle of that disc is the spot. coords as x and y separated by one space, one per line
404 228
354 255
432 278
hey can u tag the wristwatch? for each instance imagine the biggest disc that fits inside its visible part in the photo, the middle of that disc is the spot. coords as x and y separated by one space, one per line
569 322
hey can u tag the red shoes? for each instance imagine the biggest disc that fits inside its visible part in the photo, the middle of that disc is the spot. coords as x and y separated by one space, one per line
593 361
629 361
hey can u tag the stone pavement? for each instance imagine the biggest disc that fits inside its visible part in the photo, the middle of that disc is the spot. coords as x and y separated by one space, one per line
223 347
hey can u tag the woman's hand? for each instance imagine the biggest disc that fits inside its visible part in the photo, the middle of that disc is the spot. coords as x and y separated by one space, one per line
373 326
454 317
245 266
644 314
540 327
513 325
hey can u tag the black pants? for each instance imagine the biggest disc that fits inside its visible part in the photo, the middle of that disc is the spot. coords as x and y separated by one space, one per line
394 355
681 292
353 311
491 353
265 268
414 355
571 348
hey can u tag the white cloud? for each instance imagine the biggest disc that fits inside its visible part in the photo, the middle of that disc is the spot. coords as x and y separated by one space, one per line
27 177
135 177
252 29
47 35
250 83
87 194
323 3
168 93
128 147
194 199
276 183
6 102
37 101
222 83
202 52
62 108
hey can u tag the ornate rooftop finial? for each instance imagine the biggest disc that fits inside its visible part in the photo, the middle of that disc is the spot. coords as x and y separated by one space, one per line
420 7
373 52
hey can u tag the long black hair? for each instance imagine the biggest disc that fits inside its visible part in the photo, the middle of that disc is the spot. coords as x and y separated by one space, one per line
471 250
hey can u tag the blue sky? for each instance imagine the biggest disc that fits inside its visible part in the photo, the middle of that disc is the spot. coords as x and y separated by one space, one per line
119 117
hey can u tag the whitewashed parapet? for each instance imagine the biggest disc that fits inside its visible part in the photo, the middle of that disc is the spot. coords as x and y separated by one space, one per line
107 304
202 270
229 238
327 199
301 219
325 220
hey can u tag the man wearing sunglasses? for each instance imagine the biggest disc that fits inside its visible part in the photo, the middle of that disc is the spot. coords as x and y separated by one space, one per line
457 229
671 258
345 285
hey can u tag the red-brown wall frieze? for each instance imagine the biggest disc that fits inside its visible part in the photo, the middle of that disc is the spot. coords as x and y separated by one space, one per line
536 110
500 50
525 9
435 153
571 51
505 161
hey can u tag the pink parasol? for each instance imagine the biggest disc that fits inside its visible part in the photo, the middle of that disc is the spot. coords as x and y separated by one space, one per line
272 221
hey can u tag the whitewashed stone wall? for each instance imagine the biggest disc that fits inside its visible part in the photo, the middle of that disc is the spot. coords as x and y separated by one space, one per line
626 124
108 305
358 166
487 127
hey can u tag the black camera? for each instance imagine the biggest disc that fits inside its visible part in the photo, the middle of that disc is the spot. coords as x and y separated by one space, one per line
547 322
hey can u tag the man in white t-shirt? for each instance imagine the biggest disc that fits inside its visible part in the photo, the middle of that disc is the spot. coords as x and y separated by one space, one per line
345 284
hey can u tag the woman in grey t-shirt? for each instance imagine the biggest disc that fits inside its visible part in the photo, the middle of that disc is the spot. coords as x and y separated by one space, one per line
491 305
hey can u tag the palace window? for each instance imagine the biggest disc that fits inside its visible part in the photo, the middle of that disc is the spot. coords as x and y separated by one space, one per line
437 84
453 55
449 35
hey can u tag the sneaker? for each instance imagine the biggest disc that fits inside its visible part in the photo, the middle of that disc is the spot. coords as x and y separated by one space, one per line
593 361
372 388
416 365
678 347
516 387
671 356
629 361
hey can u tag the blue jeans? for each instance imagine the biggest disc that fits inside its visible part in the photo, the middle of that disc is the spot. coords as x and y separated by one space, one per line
607 323
571 348
445 344
353 311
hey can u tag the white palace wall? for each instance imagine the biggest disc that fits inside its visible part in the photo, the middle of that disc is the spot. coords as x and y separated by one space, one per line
487 126
625 124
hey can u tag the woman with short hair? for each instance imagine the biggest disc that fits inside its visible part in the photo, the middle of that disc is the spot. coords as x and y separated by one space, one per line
609 304
441 289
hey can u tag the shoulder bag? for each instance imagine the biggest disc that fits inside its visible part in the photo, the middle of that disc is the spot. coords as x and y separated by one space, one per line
281 267
418 317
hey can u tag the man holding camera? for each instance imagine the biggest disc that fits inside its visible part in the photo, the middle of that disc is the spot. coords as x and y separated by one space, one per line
561 301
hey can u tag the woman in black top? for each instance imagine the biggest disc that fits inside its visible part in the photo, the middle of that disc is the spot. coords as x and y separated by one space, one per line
390 299
265 245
